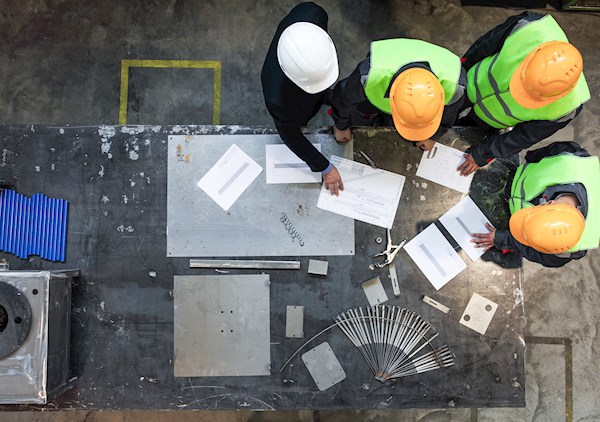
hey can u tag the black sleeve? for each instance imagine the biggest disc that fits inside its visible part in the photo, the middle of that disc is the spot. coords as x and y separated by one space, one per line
492 42
347 95
291 134
504 240
521 137
555 148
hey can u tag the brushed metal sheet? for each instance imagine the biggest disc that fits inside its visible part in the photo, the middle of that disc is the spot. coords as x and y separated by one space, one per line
222 325
198 227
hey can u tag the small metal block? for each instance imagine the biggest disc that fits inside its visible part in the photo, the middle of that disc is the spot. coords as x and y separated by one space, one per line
317 267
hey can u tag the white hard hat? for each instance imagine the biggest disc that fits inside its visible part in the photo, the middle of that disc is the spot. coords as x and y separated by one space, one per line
307 56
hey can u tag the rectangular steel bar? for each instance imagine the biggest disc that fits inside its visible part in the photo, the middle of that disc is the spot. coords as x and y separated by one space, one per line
244 264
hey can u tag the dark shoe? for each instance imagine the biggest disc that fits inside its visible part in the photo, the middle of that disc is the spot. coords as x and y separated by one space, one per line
505 260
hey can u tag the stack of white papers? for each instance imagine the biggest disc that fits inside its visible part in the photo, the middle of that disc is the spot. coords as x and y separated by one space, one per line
370 195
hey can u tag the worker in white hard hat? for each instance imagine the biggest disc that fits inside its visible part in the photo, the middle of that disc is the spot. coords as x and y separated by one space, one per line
300 67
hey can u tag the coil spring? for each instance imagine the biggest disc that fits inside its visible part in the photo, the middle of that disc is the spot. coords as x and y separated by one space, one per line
291 229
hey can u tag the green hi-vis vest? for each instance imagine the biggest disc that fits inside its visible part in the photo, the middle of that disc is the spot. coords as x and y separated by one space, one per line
532 179
489 80
388 56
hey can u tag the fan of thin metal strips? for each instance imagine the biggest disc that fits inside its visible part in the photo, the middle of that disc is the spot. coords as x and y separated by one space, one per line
390 339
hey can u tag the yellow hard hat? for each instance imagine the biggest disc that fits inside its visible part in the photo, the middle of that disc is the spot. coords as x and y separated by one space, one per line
548 73
417 103
550 229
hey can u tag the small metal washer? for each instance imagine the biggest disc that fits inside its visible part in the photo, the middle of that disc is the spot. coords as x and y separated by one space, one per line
379 240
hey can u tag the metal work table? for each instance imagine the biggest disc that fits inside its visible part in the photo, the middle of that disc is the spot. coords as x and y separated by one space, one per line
122 330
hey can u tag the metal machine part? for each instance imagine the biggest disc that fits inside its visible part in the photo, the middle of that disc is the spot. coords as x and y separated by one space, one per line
38 328
15 319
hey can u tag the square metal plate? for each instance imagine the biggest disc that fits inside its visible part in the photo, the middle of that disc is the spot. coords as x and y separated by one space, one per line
222 325
198 227
479 313
323 366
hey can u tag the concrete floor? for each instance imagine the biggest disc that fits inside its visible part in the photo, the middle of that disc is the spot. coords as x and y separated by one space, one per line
60 64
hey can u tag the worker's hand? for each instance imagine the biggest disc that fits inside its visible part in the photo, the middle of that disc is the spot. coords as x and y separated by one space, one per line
468 167
484 240
333 181
342 135
425 145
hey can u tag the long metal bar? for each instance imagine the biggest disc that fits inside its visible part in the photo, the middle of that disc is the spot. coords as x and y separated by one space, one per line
245 264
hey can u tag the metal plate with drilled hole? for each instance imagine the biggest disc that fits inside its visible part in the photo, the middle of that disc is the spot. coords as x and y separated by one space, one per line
294 321
479 313
222 325
324 367
197 226
15 318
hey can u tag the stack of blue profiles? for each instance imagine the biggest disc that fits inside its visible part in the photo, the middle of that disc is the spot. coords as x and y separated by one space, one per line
33 226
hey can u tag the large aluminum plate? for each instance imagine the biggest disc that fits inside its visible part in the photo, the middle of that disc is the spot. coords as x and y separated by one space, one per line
198 227
222 325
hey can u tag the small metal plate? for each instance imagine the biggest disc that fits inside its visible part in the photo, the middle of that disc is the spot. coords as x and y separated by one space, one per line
294 322
375 292
324 367
479 313
317 267
222 325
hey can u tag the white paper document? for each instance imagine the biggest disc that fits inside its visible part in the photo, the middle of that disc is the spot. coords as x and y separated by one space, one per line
370 195
230 177
461 221
283 166
439 165
435 256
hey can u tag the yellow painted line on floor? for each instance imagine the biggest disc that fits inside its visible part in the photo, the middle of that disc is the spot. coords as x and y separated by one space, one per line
172 64
568 368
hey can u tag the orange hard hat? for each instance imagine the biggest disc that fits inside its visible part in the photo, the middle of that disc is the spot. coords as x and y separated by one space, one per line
417 103
548 73
550 229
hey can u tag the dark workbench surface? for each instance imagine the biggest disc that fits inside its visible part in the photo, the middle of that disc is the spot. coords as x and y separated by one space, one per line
122 330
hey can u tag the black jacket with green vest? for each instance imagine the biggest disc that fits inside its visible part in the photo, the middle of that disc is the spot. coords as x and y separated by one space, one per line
528 131
541 164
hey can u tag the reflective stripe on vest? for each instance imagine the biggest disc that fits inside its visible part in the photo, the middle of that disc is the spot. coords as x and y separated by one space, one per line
532 179
489 80
388 56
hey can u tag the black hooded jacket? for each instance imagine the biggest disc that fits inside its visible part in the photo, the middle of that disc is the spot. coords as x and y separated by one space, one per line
290 106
